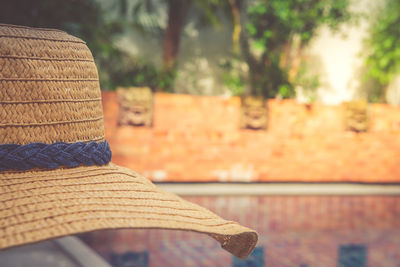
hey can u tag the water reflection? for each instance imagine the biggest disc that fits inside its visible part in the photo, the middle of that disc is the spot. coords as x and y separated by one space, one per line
306 231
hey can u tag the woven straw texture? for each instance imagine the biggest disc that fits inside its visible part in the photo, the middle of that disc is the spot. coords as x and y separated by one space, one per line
49 88
49 92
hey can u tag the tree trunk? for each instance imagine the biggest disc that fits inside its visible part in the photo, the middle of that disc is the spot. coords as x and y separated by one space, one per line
383 94
251 62
285 55
295 65
177 10
237 28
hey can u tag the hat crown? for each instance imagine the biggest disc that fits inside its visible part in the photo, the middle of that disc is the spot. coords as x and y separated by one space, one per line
49 88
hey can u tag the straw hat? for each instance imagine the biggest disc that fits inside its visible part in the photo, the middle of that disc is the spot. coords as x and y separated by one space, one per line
55 175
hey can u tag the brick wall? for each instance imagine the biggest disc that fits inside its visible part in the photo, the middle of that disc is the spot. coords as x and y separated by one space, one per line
197 138
293 231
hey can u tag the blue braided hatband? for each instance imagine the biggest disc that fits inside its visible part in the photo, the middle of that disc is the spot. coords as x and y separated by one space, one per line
51 156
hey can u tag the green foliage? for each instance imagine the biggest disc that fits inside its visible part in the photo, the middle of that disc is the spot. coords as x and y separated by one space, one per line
234 83
145 18
273 26
121 69
83 19
274 21
86 20
306 82
166 80
384 42
208 12
234 76
270 80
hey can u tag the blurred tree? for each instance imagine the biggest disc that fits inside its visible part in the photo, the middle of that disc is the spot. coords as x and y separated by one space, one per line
146 21
82 18
383 62
86 20
275 34
177 12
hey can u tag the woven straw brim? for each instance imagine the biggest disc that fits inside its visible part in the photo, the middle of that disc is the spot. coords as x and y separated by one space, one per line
39 205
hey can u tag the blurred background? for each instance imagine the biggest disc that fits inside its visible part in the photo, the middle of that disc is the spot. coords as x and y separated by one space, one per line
280 114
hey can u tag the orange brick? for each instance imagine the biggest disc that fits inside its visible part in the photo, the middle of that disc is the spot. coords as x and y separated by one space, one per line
200 134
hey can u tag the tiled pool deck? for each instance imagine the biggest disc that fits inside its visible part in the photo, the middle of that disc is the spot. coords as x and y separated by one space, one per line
300 231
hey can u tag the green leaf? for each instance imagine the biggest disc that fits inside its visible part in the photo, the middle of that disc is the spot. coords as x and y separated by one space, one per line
384 62
258 9
388 43
252 29
284 91
259 45
267 34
